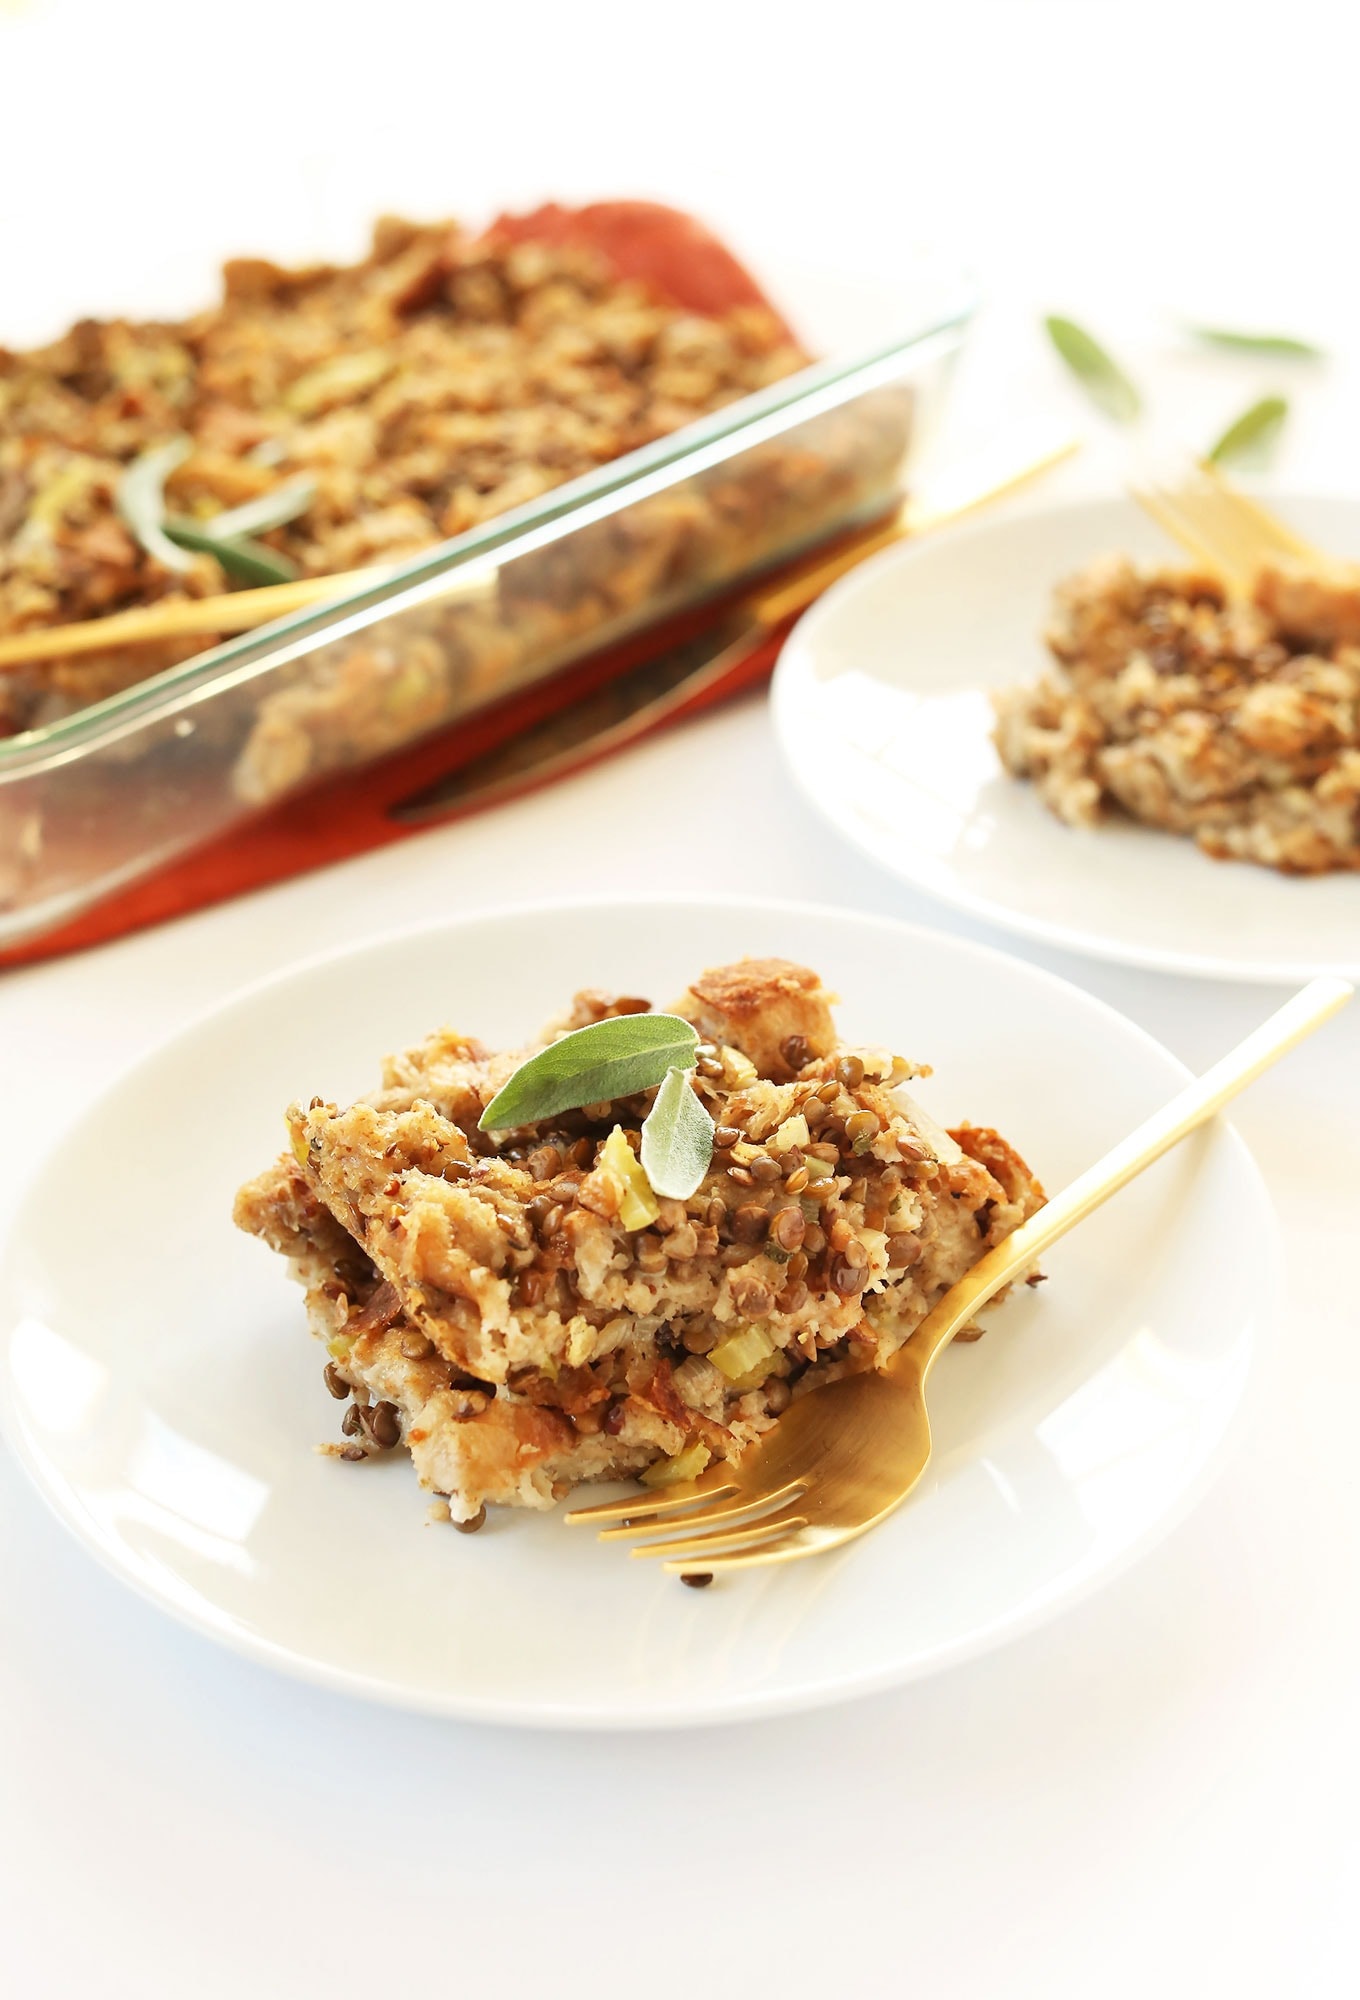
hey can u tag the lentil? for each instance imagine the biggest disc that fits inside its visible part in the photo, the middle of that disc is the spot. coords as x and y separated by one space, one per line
473 1522
788 1226
766 1169
351 1423
829 1092
795 1051
903 1251
862 1125
354 1452
749 1222
383 1424
725 1137
697 1579
797 1180
793 1297
778 1394
752 1297
544 1162
850 1072
335 1381
741 1176
613 1420
848 1277
698 1339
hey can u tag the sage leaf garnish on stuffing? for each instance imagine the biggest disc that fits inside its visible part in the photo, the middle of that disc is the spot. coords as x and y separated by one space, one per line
268 510
593 1065
677 1139
1099 374
1251 438
140 499
244 560
1282 345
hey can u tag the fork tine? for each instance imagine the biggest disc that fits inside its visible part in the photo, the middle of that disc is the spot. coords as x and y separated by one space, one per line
1267 525
644 1505
749 1536
792 1549
1168 511
711 1517
1230 519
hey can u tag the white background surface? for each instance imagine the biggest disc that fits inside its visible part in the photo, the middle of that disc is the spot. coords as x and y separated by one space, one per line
1157 1792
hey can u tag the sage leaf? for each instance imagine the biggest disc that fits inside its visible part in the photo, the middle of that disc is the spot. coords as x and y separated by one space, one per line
592 1065
140 499
1284 345
1099 374
246 561
677 1139
1251 438
266 511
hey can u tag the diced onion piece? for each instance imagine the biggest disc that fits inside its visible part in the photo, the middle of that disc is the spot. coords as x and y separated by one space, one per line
741 1354
637 1204
944 1148
339 1345
674 1471
793 1132
741 1072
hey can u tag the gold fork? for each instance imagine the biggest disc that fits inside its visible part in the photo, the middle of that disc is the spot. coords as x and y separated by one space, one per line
841 1459
1222 527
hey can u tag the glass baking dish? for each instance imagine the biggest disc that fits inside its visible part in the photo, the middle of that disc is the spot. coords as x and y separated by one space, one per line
115 790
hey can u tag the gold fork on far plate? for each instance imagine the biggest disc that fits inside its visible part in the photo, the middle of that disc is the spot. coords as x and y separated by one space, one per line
1219 525
842 1458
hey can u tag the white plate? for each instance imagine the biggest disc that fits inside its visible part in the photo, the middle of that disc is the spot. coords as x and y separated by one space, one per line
157 1381
881 708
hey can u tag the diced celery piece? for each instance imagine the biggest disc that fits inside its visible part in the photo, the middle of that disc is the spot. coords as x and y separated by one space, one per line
741 1353
687 1464
638 1205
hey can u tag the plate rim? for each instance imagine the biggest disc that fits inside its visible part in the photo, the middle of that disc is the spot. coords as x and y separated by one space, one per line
1083 944
753 1705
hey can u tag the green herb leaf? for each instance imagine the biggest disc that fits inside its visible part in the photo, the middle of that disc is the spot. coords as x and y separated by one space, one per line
1252 437
677 1139
246 561
1282 344
1098 372
140 499
592 1065
268 510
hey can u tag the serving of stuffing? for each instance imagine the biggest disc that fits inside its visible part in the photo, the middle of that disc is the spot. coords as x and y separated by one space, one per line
1236 721
521 1311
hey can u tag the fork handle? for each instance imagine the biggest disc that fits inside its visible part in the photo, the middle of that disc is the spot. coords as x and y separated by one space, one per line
1190 1108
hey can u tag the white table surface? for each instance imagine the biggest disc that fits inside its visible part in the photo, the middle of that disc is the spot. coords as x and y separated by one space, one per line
1159 1790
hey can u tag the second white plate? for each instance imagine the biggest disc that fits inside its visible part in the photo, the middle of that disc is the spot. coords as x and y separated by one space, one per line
881 708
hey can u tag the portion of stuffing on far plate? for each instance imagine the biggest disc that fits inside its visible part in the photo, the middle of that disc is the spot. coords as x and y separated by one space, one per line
1236 722
521 1310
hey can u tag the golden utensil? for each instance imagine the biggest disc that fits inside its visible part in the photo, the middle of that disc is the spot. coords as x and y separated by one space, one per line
243 610
1222 527
718 662
179 617
841 1459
